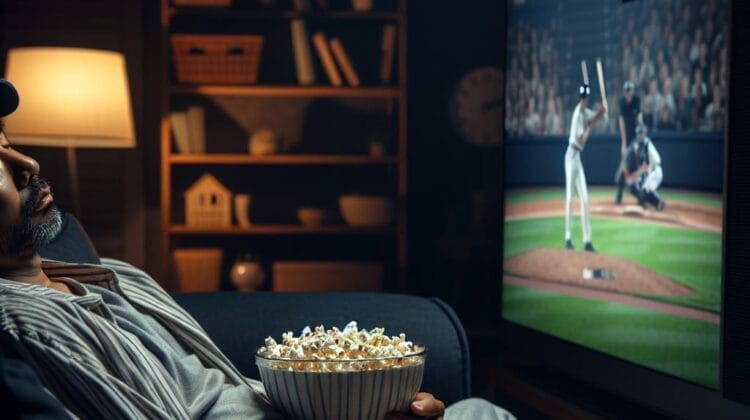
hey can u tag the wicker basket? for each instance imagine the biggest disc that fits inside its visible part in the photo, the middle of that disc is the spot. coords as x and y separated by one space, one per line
228 59
209 3
198 269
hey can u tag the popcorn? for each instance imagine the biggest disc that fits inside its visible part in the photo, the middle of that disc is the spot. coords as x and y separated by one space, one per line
333 350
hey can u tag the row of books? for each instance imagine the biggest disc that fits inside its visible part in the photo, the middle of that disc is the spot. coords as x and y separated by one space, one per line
189 130
334 57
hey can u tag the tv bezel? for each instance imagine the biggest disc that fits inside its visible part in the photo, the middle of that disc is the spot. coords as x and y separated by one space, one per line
658 391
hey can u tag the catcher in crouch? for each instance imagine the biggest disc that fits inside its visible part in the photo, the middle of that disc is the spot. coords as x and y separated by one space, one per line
641 167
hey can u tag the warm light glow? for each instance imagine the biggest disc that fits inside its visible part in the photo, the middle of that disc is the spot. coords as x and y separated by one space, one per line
70 97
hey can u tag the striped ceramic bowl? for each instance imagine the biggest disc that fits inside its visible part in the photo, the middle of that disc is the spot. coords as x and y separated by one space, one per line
342 389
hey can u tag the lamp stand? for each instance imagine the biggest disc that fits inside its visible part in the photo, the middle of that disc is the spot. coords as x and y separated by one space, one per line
74 187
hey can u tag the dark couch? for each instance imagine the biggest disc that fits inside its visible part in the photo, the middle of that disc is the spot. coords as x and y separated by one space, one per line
238 323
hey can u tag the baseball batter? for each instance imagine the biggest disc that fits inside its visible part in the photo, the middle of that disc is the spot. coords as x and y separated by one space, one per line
575 178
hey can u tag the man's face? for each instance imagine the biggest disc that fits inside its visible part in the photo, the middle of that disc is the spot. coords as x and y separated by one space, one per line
628 94
28 215
641 137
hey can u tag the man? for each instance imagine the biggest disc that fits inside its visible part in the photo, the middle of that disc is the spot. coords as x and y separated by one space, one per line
645 180
581 124
106 340
630 116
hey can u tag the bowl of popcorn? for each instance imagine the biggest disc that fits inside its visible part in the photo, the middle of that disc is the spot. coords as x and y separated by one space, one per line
341 374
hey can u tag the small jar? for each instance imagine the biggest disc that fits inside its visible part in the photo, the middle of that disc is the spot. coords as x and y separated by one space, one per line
377 149
247 273
263 142
362 5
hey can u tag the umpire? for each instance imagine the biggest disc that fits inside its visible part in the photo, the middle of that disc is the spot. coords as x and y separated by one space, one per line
630 116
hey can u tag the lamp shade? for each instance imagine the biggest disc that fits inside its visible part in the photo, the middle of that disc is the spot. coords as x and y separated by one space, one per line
70 97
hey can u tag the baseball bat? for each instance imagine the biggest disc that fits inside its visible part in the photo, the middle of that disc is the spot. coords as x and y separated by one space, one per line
585 72
602 90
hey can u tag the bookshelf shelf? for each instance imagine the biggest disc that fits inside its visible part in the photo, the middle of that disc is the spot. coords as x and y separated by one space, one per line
224 13
288 91
281 230
239 159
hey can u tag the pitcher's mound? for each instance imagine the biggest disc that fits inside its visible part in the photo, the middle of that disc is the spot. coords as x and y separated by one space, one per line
576 268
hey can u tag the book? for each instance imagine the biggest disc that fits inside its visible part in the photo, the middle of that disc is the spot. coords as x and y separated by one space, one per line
345 63
196 128
387 51
321 46
302 56
179 124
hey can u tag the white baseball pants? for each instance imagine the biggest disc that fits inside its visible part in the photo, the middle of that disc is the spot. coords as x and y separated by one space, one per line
575 178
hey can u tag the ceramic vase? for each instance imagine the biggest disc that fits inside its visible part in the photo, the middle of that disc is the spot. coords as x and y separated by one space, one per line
247 273
242 209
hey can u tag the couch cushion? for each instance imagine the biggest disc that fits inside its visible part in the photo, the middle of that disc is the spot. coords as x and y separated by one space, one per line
239 322
71 245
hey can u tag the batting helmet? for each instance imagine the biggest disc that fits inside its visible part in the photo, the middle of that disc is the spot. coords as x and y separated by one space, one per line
584 90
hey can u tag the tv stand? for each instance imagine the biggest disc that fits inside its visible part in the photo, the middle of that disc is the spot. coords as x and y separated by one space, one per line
552 394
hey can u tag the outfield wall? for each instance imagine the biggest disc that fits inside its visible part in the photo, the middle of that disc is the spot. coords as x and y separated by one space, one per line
690 161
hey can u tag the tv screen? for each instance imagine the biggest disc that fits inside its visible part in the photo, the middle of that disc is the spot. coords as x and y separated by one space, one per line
614 151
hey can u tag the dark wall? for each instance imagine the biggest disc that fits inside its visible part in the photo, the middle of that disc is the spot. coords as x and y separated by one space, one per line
450 254
694 161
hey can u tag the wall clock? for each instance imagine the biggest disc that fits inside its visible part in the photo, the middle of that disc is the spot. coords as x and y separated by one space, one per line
476 106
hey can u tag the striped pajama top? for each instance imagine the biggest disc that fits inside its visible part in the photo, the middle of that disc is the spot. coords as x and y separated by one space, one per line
96 368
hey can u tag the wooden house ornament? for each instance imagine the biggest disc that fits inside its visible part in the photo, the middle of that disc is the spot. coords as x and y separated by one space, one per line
208 203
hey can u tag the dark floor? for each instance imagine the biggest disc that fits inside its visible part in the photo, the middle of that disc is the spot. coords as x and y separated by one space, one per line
484 354
535 393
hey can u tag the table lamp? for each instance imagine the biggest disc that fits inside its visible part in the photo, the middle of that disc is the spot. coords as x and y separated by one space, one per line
70 97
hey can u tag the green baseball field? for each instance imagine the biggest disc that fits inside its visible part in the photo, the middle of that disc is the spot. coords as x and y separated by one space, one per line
672 329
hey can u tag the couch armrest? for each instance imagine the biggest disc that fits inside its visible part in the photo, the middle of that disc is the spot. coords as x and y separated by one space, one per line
239 322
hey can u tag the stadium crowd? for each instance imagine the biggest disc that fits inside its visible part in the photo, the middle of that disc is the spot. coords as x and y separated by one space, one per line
674 51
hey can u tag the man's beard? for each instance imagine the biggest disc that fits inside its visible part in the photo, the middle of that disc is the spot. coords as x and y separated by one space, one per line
27 236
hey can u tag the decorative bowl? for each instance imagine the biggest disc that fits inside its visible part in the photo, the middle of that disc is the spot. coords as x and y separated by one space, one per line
311 216
342 389
366 210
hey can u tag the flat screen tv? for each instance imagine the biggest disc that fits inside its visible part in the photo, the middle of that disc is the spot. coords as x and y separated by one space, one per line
622 235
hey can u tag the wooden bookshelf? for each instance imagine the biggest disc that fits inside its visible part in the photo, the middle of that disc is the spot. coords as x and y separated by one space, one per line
261 229
221 13
280 159
290 91
393 165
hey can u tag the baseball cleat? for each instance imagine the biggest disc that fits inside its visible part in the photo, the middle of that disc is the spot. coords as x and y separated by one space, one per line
660 206
589 247
569 244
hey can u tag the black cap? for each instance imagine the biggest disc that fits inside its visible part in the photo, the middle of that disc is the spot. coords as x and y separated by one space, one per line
8 98
584 91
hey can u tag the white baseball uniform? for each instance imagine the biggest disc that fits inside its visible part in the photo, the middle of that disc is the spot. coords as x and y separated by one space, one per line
575 177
